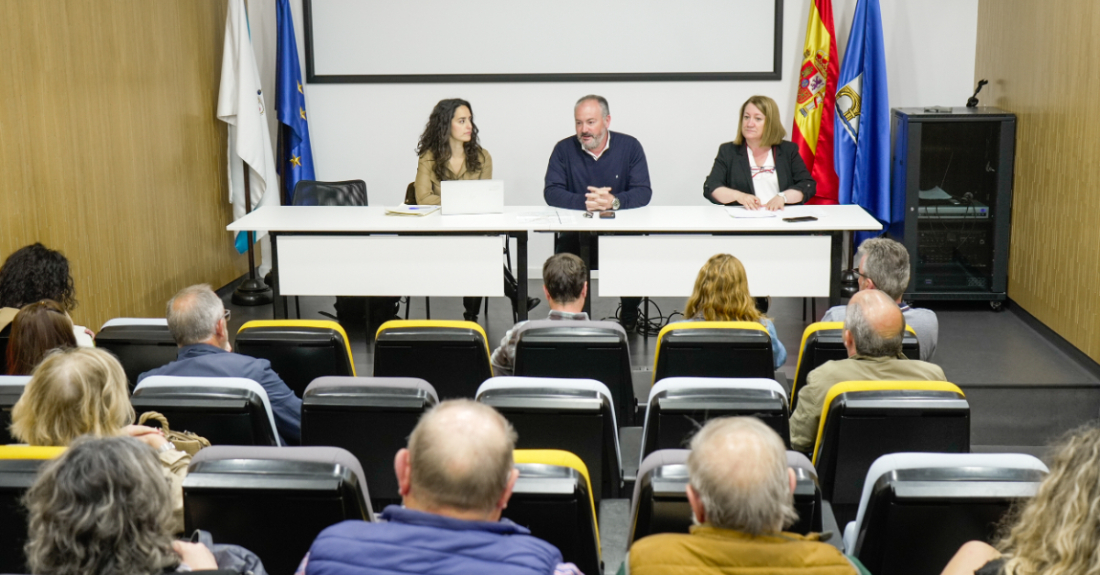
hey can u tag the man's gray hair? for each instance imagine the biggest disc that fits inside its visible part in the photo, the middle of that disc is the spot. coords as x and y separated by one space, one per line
604 108
887 265
193 314
738 467
869 341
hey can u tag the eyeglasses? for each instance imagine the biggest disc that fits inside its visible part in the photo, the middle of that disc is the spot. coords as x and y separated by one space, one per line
226 316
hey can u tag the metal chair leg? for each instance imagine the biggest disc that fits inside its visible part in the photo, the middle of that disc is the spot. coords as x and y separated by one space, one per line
428 307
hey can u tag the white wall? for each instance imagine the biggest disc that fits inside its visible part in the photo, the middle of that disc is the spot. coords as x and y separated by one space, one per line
369 131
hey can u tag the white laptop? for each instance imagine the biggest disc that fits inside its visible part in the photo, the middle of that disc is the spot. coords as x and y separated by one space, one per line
472 197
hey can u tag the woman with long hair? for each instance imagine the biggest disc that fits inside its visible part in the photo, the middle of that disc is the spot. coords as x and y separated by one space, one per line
449 149
1056 532
37 329
722 294
34 273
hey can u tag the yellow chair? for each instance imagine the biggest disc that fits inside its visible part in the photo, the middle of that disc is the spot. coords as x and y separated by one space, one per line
553 498
453 356
18 469
713 349
299 350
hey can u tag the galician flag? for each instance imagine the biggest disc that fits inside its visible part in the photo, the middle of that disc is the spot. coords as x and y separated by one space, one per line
241 106
813 117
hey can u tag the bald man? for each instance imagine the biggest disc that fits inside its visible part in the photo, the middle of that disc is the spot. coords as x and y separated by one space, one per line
741 495
455 478
873 328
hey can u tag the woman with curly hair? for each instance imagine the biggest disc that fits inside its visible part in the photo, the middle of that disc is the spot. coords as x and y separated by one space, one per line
722 294
449 150
103 508
37 329
34 273
1057 532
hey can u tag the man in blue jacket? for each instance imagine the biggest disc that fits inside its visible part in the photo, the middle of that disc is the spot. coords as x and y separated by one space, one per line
200 325
595 171
455 478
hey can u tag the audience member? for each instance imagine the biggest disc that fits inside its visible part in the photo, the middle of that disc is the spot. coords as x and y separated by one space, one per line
102 509
34 273
565 284
722 294
1057 530
873 329
79 391
884 265
455 479
37 329
741 494
199 323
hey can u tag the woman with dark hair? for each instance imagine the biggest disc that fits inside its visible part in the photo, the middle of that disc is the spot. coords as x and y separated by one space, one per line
449 150
102 507
34 273
37 329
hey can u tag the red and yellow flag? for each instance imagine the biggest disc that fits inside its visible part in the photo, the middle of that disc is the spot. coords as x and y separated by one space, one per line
813 112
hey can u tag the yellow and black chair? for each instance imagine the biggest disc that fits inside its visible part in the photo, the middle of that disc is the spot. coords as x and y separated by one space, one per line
553 498
453 356
18 469
824 341
713 349
864 420
140 344
299 350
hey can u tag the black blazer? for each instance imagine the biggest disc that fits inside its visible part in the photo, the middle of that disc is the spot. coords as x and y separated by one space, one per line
731 169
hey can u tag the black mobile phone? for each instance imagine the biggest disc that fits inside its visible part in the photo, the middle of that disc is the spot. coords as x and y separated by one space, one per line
801 219
607 214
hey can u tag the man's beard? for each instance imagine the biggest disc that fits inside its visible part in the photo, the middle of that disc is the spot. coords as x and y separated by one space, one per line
597 140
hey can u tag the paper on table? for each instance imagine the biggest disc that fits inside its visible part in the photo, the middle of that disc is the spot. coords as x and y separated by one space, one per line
739 212
410 210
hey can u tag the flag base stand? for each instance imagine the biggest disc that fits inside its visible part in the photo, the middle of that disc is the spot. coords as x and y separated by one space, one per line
252 292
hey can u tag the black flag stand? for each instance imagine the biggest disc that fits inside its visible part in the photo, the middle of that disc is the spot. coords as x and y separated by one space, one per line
251 291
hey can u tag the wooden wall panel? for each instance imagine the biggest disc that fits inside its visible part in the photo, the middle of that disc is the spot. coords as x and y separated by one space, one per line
110 150
1042 60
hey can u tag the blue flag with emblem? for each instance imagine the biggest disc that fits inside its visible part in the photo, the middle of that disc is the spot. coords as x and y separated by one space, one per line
862 138
295 153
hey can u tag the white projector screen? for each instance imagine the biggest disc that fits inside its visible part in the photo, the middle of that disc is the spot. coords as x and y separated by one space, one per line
377 41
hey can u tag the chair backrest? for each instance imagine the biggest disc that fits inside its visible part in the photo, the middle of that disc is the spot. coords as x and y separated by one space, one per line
5 337
372 418
660 503
273 500
942 499
299 350
18 469
824 341
224 410
679 406
574 415
864 420
553 498
11 389
713 349
453 356
346 193
140 344
579 349
410 194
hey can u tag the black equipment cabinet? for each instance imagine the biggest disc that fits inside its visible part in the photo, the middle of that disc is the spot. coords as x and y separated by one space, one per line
955 168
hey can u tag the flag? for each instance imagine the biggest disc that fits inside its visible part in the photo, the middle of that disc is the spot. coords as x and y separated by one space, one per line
241 106
295 153
813 117
863 124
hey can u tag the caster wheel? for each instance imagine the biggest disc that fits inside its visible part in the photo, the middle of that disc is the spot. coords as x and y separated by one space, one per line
997 305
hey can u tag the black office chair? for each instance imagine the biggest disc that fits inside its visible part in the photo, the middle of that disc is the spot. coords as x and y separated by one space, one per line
273 501
224 410
372 418
18 469
680 406
5 337
574 415
315 193
596 350
453 356
940 499
713 349
300 351
11 389
140 344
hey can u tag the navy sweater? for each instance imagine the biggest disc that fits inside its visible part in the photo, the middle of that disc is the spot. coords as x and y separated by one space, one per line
622 167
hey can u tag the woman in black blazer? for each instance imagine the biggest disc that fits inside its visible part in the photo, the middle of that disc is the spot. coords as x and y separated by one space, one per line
758 169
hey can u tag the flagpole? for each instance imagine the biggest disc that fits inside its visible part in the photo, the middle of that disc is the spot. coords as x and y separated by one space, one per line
252 291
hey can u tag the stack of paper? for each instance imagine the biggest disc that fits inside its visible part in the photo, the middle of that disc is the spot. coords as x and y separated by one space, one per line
408 210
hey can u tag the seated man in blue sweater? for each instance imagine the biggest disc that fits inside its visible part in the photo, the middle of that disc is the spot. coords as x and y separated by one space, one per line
588 173
455 478
200 325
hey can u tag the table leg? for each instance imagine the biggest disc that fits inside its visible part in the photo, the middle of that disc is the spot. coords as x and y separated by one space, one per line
278 302
584 239
835 268
521 276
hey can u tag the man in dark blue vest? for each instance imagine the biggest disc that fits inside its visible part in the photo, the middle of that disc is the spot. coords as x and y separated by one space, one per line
455 478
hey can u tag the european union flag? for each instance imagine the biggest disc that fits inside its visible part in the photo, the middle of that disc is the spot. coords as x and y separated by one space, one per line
862 137
295 153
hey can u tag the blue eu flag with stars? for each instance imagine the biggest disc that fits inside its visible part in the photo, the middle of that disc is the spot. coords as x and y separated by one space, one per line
295 153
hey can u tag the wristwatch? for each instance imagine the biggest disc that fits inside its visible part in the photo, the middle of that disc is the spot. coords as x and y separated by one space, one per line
615 204
784 196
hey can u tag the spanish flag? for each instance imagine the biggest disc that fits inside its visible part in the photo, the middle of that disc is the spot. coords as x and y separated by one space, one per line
813 117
